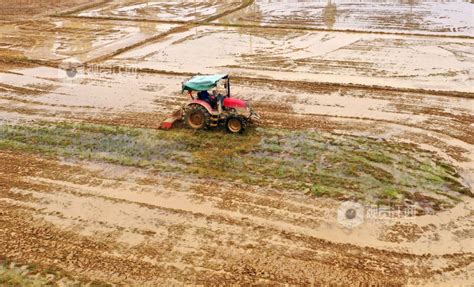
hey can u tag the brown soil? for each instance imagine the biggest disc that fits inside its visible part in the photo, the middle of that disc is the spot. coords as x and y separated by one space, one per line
182 247
108 223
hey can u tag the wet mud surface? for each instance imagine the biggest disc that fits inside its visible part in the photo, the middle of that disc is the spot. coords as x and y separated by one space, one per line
126 226
57 39
15 9
76 209
157 215
172 11
406 17
381 60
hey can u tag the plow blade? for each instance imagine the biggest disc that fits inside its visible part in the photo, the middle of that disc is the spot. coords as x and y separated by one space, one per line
171 119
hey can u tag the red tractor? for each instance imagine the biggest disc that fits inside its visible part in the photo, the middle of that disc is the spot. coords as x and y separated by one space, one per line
207 110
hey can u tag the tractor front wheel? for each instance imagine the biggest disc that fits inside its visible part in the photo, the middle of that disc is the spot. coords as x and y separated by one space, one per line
197 117
236 124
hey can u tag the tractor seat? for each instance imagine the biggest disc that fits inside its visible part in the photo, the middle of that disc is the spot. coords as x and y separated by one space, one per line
204 96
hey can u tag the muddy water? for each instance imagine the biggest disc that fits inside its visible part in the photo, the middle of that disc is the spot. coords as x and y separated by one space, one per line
127 91
434 123
130 226
114 94
186 227
58 39
163 10
15 9
425 17
382 60
143 91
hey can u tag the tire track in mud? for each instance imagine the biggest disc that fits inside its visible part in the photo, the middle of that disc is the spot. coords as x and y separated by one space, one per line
296 85
271 119
315 85
221 206
274 115
229 249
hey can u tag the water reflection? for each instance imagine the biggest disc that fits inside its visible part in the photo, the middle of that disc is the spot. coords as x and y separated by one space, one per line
361 1
82 39
164 10
329 14
402 16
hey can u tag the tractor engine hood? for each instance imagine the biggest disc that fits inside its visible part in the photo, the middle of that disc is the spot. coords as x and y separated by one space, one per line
234 103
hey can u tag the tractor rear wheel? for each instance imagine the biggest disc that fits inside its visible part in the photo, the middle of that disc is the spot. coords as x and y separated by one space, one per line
236 124
197 117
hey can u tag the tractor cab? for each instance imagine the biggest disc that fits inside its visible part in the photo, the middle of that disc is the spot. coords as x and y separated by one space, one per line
213 89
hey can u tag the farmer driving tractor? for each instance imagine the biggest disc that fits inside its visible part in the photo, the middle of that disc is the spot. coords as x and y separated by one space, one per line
208 110
213 99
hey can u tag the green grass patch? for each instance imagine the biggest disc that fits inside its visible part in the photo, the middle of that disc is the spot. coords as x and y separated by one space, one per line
321 164
390 192
32 275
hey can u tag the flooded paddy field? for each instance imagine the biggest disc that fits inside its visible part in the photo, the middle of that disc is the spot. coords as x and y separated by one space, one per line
18 9
387 16
109 221
65 195
92 192
381 60
84 40
155 94
173 11
189 225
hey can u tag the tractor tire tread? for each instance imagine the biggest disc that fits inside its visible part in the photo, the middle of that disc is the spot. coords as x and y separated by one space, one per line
207 116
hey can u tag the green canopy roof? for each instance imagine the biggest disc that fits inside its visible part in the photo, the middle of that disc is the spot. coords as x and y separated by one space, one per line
202 83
